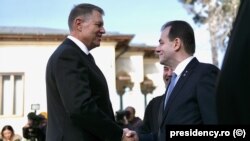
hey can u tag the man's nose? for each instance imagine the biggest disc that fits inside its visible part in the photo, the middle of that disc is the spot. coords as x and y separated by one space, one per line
103 30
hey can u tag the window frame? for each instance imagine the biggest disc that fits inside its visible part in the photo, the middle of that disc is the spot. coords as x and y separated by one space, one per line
13 79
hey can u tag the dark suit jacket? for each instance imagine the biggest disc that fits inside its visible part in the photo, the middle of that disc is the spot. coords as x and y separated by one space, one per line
233 89
151 119
193 98
79 108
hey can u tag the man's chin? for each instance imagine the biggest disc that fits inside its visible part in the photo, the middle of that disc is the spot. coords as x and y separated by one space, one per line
162 62
97 44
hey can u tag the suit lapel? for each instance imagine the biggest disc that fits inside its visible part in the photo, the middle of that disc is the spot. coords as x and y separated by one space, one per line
91 64
95 68
180 83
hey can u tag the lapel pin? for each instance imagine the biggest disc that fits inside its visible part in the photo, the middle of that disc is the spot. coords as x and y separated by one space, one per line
185 73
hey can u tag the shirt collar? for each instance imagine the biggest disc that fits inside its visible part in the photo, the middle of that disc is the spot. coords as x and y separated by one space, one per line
182 65
79 44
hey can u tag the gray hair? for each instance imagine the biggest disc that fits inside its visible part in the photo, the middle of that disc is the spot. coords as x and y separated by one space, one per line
83 9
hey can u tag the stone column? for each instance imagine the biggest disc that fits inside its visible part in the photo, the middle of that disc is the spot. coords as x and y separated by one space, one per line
135 98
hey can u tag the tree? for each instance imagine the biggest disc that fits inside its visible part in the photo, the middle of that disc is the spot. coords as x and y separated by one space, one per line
218 15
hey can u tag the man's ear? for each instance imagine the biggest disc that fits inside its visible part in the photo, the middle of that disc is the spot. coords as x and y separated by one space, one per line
77 24
177 43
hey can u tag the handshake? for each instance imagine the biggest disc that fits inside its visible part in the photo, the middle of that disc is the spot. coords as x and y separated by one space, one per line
129 135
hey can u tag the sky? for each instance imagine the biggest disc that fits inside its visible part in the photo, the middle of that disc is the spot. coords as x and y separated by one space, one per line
142 18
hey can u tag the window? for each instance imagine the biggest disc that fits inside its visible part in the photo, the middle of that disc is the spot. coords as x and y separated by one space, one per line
11 94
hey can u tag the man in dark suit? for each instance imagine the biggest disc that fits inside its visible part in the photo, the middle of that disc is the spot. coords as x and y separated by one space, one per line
192 100
151 119
79 108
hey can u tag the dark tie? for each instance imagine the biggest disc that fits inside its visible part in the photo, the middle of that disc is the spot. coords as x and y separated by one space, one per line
170 88
91 58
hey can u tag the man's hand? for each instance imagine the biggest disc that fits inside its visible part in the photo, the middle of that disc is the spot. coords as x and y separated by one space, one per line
129 135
